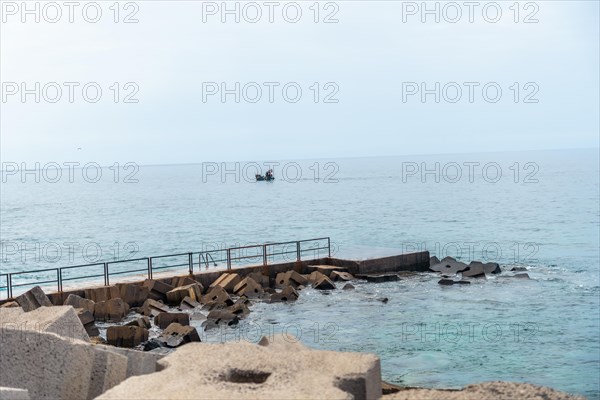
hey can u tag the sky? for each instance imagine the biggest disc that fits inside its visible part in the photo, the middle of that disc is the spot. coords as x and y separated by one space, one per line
326 79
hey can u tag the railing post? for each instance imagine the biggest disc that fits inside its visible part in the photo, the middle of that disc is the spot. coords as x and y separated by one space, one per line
106 280
228 258
149 267
59 279
264 247
191 263
9 284
297 251
328 247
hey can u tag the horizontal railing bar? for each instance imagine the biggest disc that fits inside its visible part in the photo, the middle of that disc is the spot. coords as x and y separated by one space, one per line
82 277
170 255
312 240
34 283
132 260
314 248
245 247
82 265
283 252
32 272
127 272
170 266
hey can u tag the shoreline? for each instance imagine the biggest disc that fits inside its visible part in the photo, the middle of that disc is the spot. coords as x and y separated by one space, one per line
162 327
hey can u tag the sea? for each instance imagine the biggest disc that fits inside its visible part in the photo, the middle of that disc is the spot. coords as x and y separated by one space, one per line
537 210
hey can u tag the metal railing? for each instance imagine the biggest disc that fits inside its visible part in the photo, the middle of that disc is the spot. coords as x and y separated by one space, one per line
259 254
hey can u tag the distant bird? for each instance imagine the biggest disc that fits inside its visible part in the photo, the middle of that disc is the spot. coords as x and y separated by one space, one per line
79 148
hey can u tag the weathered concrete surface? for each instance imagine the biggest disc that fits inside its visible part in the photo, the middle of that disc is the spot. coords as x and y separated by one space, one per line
478 269
404 262
217 295
188 304
108 369
176 334
33 298
53 367
62 320
157 289
111 310
126 336
324 283
193 291
7 393
88 321
248 371
248 287
103 293
341 276
164 319
227 281
152 308
138 362
484 391
289 278
449 266
287 294
133 294
80 302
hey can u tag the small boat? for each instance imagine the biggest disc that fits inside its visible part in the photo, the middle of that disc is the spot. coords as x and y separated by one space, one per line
266 177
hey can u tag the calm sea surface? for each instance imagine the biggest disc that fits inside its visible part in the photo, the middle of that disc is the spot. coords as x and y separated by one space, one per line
537 209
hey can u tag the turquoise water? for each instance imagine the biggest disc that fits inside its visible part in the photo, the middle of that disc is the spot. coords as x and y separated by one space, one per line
544 331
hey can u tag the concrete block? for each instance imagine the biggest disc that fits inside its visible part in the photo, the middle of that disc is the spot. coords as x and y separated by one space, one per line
287 294
176 334
53 367
188 304
157 289
152 308
133 294
193 291
341 276
316 276
164 319
111 310
324 283
289 278
103 293
61 320
80 302
183 281
249 288
218 295
142 322
88 321
325 269
33 298
243 370
126 336
108 370
227 281
138 362
259 278
448 266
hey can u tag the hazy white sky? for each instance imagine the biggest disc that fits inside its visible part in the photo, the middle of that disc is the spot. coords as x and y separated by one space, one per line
370 61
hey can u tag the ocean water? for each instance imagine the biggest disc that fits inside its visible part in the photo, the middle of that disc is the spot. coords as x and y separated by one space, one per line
539 210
